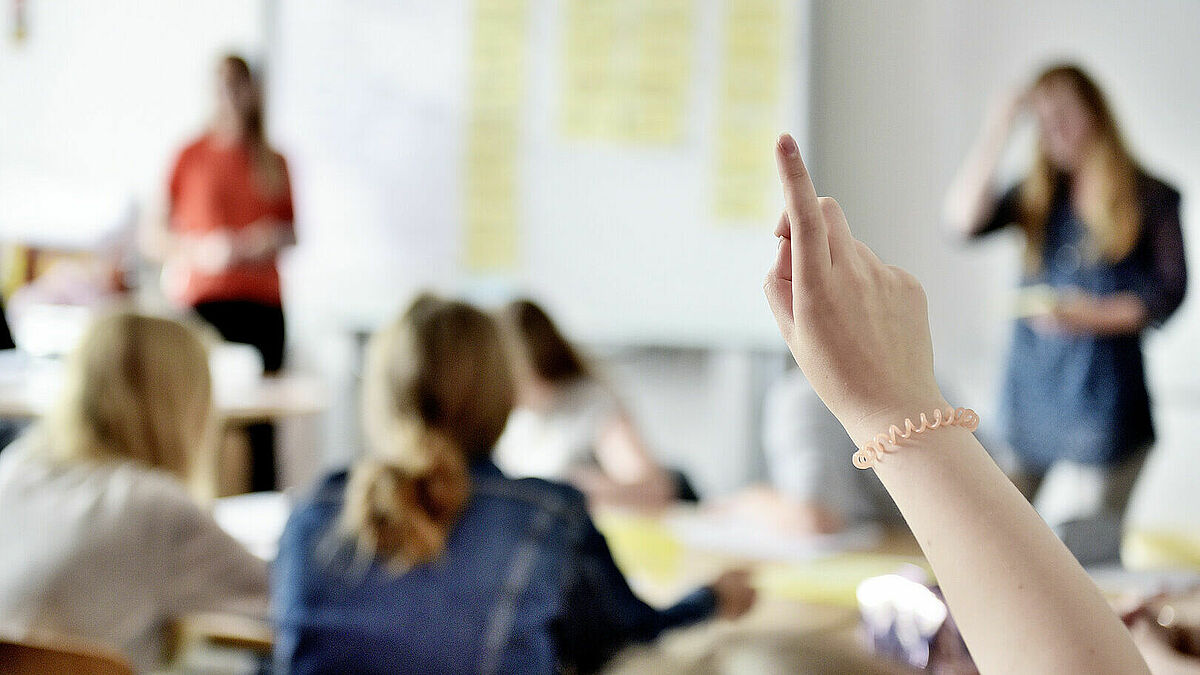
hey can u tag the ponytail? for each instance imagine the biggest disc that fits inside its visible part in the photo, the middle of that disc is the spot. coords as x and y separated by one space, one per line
437 392
403 514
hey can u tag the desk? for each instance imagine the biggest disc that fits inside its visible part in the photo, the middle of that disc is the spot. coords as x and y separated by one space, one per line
29 387
27 391
805 620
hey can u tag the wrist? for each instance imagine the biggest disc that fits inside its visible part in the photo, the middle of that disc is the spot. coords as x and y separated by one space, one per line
868 425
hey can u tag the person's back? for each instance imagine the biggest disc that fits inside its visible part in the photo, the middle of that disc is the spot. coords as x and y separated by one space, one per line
99 540
425 558
102 551
491 603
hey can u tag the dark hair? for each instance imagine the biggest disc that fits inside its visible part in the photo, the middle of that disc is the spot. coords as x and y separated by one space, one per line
549 353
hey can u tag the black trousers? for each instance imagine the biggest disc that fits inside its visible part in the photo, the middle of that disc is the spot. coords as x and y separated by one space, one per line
262 327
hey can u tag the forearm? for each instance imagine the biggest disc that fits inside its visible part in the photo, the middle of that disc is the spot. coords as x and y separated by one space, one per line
971 197
652 492
696 606
1105 316
262 240
1009 580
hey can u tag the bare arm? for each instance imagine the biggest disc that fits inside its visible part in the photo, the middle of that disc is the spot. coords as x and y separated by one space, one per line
860 332
261 240
971 199
628 474
1108 315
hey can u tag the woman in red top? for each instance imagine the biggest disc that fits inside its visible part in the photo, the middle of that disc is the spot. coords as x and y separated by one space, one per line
230 215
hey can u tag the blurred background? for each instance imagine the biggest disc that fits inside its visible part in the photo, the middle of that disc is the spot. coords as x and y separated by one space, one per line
610 159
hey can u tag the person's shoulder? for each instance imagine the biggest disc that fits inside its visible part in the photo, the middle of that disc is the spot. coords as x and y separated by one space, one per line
195 148
532 494
153 490
1157 190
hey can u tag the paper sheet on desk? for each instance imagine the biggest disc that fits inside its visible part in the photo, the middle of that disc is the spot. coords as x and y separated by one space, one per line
818 569
748 538
255 520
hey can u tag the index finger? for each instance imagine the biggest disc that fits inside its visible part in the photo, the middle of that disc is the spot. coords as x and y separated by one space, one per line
809 236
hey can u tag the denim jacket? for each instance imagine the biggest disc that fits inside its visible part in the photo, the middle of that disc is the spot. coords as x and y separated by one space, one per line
526 584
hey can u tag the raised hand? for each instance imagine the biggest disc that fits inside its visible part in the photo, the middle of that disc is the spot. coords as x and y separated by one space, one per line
858 328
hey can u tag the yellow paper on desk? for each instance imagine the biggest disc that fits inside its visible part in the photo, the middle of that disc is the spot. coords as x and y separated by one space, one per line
1147 549
641 543
828 581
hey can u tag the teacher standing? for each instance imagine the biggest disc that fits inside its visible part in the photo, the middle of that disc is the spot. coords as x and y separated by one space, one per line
230 215
1104 251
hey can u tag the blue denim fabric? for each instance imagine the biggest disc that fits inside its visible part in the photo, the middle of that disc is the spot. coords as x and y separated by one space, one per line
1083 397
526 585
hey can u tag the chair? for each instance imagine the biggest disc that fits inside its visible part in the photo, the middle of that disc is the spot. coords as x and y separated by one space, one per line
39 658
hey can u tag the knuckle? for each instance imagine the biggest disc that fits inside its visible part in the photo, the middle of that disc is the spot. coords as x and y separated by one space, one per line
829 206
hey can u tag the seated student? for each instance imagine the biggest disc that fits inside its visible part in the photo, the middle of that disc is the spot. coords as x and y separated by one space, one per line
425 558
859 330
101 540
811 488
568 425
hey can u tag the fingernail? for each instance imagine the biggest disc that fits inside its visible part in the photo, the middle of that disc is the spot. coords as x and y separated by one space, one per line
788 145
780 243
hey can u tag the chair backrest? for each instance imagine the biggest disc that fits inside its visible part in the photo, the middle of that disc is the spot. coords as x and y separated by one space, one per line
36 658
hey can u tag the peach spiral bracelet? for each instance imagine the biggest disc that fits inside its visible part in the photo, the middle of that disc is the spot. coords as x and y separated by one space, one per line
872 451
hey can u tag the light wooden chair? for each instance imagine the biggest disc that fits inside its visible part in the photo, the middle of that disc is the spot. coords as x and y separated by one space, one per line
42 657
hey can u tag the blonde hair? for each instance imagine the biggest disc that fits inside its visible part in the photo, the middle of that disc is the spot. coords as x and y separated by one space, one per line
137 388
1110 207
437 392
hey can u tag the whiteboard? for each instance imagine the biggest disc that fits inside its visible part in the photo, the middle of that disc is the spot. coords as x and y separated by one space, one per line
368 101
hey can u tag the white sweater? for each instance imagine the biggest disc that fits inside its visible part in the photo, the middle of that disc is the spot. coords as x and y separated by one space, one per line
109 552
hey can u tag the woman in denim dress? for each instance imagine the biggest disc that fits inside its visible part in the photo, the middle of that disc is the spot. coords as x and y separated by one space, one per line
1104 261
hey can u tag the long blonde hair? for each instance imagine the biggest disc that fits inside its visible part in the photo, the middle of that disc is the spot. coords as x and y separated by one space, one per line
437 392
137 388
1110 208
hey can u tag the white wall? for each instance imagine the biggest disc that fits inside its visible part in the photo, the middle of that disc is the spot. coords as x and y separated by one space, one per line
102 94
900 90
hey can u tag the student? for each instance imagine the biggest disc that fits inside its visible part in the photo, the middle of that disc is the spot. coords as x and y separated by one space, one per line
1104 237
425 558
811 488
230 217
568 425
101 541
860 332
